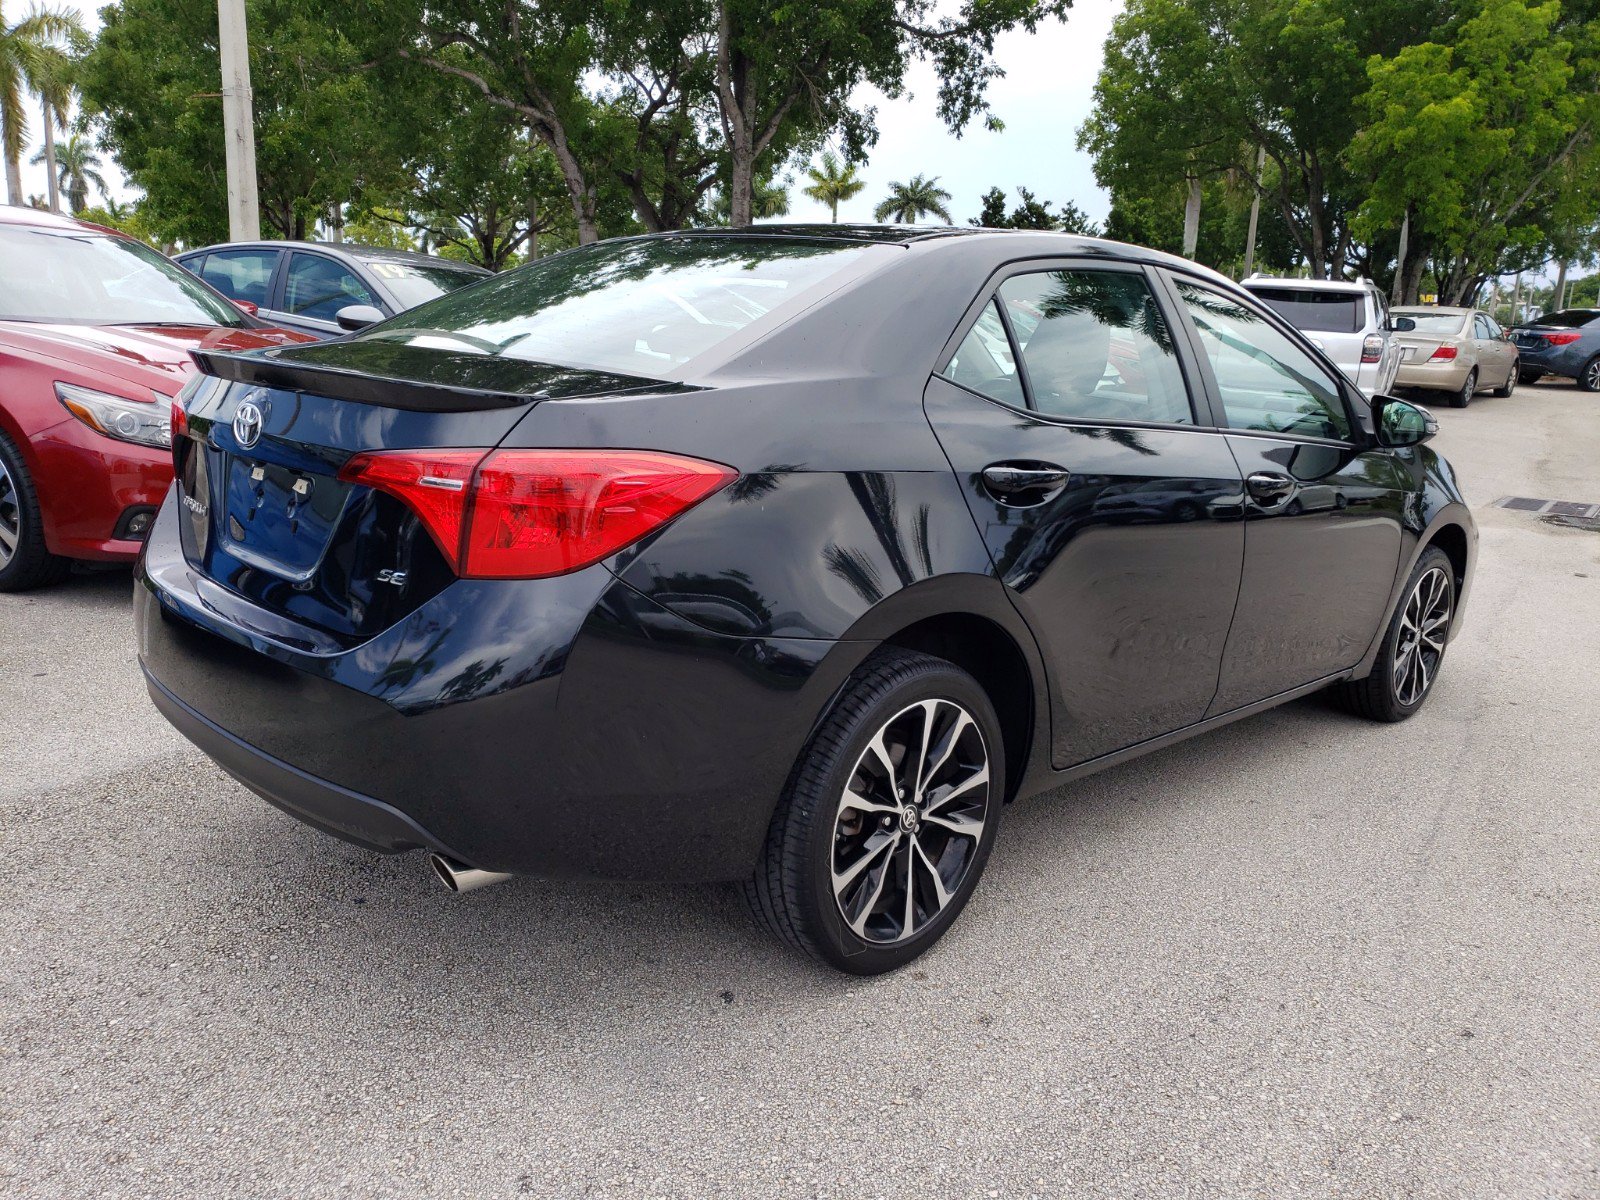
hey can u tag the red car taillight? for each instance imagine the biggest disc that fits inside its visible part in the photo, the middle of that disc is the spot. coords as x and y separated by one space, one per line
1442 354
528 514
1561 339
1371 348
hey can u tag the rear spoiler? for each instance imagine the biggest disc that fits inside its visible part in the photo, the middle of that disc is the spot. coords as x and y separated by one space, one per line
534 381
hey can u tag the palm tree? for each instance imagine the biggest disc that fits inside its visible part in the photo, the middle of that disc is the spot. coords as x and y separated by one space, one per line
908 201
29 51
833 183
77 168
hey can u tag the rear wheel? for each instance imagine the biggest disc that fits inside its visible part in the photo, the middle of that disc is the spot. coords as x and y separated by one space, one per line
888 818
1510 385
1464 397
1589 377
1413 648
24 561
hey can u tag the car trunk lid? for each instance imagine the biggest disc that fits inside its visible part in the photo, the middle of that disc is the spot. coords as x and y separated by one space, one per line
264 512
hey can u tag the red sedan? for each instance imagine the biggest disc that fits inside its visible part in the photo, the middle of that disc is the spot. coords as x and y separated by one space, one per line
95 334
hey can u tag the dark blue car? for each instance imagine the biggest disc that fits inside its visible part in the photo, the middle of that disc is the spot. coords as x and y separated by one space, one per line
326 290
1563 343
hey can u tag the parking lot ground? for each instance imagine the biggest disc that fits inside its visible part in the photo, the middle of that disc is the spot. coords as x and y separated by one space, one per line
1302 956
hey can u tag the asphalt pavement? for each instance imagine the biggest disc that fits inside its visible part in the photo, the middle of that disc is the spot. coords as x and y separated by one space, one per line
1304 956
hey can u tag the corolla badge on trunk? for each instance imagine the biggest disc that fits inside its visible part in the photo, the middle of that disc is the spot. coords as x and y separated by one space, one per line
247 421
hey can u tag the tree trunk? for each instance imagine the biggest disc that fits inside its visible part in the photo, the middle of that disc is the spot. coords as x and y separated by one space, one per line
1255 214
533 226
1191 217
50 156
1411 293
741 196
1400 258
1558 299
336 224
13 168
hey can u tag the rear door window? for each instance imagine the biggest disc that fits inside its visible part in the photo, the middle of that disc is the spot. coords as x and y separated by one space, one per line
1324 312
1571 318
318 287
1095 347
241 274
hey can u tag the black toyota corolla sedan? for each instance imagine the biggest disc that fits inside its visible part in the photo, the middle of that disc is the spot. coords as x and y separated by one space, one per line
786 555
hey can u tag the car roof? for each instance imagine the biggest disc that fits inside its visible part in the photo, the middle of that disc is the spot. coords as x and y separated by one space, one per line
1308 285
1017 243
1445 309
40 218
346 250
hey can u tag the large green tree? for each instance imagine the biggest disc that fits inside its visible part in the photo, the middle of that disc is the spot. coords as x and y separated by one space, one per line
325 134
1486 141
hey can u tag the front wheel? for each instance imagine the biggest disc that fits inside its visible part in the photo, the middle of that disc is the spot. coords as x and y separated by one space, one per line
1413 648
24 560
888 818
1464 397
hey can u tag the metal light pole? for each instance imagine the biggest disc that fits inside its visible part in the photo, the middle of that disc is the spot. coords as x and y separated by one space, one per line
238 122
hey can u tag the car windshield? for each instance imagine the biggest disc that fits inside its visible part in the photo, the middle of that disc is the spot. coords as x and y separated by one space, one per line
1304 308
82 277
414 284
1571 318
639 308
1431 322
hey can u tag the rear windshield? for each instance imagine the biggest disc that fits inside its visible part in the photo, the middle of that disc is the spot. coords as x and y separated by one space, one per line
415 283
82 277
1327 312
639 308
1432 322
1571 318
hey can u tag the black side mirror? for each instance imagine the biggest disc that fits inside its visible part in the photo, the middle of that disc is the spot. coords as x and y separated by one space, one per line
1401 423
357 316
1402 324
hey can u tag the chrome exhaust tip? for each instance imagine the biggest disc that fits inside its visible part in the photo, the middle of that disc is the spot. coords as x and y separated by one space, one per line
459 877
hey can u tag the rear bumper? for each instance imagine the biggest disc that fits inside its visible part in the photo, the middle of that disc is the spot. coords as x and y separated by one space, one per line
323 805
564 727
1447 376
1557 360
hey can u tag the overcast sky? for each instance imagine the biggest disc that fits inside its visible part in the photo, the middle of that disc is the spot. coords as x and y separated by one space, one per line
1043 99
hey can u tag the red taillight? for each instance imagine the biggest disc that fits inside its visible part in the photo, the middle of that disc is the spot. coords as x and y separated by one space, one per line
526 514
1561 339
1442 354
1371 348
180 421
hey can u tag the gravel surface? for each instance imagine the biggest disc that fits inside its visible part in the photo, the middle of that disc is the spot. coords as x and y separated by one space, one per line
1302 956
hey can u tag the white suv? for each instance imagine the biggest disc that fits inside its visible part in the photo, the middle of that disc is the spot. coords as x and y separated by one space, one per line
1349 322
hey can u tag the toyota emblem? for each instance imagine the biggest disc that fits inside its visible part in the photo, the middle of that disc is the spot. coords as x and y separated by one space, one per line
247 425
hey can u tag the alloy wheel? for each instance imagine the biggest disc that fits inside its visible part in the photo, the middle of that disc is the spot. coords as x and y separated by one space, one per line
1424 623
1591 375
10 516
909 821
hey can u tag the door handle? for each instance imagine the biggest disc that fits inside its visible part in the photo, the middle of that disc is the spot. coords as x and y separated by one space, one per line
1025 484
1270 488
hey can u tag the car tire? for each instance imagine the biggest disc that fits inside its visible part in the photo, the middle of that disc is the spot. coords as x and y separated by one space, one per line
1589 376
1468 388
1510 385
831 881
1407 665
1528 378
24 561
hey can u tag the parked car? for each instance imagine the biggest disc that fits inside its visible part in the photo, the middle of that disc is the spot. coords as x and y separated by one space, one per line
324 289
781 556
95 335
1459 351
1565 343
1346 321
